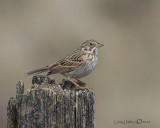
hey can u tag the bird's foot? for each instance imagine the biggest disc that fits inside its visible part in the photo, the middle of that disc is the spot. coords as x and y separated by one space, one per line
77 84
80 82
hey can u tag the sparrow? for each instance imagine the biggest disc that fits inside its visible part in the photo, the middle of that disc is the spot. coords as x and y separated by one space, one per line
76 65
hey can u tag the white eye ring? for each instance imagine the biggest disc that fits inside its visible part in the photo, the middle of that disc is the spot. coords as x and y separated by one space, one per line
90 44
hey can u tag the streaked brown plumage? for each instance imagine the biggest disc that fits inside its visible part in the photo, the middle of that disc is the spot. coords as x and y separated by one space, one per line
76 65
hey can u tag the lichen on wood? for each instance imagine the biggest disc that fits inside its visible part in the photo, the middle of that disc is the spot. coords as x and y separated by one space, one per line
48 105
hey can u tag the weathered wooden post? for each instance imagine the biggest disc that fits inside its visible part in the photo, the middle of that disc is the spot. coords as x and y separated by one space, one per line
47 105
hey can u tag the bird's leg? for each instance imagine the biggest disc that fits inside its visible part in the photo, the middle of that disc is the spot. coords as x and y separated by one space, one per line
83 88
80 82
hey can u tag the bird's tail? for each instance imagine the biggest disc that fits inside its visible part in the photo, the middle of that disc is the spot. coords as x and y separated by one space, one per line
38 71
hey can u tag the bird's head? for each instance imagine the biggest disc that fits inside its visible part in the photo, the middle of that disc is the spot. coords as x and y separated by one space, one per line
91 46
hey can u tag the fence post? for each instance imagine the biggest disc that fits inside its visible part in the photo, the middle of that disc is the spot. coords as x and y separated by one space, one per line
48 105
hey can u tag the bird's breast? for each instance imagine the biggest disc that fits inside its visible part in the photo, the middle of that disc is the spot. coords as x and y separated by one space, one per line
88 66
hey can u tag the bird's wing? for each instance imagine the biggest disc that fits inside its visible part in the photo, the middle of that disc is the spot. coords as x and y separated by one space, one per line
73 59
69 63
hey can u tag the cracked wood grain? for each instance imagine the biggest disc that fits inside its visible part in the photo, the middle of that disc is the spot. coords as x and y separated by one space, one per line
48 105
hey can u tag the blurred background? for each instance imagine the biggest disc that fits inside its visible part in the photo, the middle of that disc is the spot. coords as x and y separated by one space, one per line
127 79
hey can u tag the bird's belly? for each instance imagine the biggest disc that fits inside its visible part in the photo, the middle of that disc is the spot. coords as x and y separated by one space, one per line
84 70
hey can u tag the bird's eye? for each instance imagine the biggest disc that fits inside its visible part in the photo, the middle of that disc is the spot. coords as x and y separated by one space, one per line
90 44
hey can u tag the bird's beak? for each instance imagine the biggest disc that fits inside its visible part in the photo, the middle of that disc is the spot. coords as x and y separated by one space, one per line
99 45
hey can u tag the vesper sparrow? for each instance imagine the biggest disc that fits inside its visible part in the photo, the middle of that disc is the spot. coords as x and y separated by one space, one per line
76 65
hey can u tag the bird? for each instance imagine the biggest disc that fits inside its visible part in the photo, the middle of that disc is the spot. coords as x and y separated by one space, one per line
76 65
